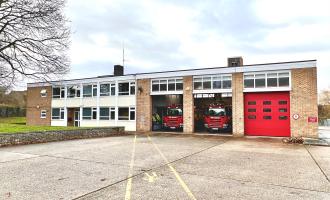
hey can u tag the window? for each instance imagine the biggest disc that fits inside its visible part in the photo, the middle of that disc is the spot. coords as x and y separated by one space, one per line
171 85
267 117
57 113
113 89
104 90
89 113
272 80
217 82
123 113
132 88
198 83
206 83
167 85
252 117
43 114
267 110
251 103
263 80
89 90
123 89
104 114
58 92
260 81
131 113
226 82
282 102
107 113
282 117
212 82
43 93
283 79
267 102
73 91
252 110
283 110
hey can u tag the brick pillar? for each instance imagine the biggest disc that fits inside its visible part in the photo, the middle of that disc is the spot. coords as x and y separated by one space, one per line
144 106
188 105
303 101
238 104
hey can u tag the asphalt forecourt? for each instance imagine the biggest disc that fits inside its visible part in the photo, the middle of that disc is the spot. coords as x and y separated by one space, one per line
165 166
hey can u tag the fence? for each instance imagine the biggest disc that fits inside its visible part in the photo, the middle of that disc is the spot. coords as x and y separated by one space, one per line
6 111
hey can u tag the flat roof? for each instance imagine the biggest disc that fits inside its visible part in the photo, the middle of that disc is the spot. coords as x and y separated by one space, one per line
196 71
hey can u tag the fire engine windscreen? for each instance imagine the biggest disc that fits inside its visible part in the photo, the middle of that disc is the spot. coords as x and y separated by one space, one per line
216 112
174 112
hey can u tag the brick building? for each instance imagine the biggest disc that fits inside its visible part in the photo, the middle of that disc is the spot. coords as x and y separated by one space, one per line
272 99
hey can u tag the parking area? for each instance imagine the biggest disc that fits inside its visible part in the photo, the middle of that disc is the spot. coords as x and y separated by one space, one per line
165 166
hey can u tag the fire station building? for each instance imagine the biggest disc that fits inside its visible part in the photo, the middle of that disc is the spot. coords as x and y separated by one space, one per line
272 99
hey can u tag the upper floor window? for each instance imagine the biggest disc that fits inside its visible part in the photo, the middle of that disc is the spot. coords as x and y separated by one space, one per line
89 90
127 88
73 91
212 82
107 89
43 93
174 84
267 80
58 92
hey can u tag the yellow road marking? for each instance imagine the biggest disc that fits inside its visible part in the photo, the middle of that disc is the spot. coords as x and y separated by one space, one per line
130 173
182 183
150 178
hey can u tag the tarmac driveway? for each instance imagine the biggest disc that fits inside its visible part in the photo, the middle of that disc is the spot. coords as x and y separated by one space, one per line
165 167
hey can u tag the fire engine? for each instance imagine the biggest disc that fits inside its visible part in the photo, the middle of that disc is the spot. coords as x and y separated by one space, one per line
217 117
173 118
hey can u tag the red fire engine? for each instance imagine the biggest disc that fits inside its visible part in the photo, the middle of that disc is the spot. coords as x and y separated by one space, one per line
217 117
173 118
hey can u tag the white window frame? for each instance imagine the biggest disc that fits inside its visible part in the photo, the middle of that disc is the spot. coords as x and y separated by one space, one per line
159 92
94 86
213 90
43 92
75 93
130 109
43 114
111 86
61 111
111 109
93 109
130 84
266 88
62 88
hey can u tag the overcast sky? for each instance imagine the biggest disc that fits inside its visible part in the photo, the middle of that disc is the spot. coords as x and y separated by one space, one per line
163 35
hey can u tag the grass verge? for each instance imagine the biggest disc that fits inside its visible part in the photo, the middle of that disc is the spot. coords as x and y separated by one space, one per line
18 125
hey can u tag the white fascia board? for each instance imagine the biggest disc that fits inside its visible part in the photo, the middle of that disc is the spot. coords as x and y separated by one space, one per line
212 91
275 89
84 81
227 70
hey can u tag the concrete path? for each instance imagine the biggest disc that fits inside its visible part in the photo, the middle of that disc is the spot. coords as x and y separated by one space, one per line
165 167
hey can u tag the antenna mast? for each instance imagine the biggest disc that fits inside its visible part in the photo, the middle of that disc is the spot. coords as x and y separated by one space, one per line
123 54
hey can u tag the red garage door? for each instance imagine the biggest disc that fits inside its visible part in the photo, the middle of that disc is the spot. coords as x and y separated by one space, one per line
267 114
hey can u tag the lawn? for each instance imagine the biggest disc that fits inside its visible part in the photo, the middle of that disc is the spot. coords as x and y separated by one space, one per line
18 124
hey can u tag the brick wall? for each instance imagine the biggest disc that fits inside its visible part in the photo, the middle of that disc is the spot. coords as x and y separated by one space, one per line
238 104
303 101
35 103
144 106
188 105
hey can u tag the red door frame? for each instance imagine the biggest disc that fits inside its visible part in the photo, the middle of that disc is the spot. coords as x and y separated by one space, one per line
267 114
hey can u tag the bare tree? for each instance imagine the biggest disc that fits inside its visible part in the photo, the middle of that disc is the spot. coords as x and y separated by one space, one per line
34 39
324 97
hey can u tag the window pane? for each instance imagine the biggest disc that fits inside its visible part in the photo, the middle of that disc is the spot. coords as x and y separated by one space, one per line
171 85
282 110
198 86
260 83
104 89
112 114
123 113
216 84
132 115
252 110
248 76
251 103
87 90
62 93
282 102
179 86
207 83
283 74
104 113
267 102
71 92
282 117
267 110
87 113
251 117
272 82
226 84
56 92
248 83
113 89
94 90
282 82
163 85
123 88
155 87
267 117
62 114
55 113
